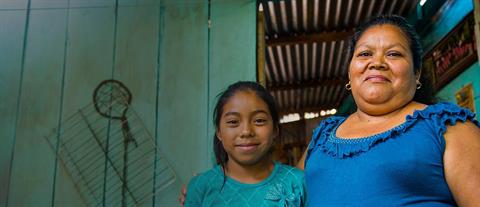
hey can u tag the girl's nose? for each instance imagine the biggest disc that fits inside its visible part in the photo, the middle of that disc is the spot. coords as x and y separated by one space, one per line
247 130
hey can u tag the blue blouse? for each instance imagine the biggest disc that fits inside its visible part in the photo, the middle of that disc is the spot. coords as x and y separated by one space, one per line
399 167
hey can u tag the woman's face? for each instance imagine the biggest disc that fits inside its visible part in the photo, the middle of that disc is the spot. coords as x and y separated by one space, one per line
381 69
246 129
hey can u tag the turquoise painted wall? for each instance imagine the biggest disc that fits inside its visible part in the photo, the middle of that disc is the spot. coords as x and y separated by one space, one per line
231 49
454 12
471 75
53 53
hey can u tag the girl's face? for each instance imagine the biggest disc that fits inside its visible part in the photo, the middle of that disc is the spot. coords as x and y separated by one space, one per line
381 69
246 129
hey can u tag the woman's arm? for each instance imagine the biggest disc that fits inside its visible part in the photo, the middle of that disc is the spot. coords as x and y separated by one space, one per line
182 196
462 163
301 163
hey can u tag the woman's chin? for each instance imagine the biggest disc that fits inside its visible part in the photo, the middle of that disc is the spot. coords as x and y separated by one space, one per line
375 96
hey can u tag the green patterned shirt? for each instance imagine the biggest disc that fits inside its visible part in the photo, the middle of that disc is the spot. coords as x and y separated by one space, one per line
284 187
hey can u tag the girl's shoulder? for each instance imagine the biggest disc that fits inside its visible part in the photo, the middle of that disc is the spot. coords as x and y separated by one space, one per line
289 172
206 177
288 187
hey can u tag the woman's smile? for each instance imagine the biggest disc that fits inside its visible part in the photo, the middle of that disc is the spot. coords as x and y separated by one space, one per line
377 78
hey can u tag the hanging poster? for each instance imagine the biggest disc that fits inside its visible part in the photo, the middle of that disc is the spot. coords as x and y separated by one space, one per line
453 54
464 97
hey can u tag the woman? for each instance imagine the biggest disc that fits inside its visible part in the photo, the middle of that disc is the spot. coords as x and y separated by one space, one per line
394 150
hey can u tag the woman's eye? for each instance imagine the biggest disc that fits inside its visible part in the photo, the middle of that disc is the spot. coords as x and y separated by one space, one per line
363 54
394 54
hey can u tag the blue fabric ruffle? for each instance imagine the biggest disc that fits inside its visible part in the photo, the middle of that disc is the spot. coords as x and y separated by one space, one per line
440 114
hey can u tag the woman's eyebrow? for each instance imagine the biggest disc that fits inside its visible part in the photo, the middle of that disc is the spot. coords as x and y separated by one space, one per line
367 45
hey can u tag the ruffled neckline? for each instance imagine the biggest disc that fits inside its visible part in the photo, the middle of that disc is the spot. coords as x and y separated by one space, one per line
325 137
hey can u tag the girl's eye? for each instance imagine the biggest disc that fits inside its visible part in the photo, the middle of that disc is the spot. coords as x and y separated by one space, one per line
260 121
232 122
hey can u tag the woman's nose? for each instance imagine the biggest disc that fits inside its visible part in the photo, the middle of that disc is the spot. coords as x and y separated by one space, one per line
378 63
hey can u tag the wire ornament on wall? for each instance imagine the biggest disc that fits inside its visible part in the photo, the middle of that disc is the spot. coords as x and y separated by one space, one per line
111 100
108 153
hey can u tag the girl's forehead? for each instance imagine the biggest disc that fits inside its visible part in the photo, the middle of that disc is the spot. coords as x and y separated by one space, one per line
245 100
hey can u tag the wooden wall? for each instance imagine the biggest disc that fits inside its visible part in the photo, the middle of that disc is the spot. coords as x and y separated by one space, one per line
53 53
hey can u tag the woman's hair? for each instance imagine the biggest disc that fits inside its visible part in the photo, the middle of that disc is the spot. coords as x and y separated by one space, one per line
425 93
220 153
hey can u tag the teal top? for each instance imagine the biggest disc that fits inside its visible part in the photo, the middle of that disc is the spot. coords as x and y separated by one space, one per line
402 166
284 187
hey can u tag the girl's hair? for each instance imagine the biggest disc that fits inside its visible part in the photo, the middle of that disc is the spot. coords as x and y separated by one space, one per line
425 93
220 153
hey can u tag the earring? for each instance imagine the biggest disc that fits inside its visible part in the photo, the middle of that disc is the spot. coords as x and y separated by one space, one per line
419 85
348 86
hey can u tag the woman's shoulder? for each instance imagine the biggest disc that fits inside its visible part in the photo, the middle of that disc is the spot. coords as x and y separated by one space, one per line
446 108
443 113
325 127
328 124
331 120
440 116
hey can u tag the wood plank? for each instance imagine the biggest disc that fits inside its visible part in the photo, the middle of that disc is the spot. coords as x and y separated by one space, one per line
136 67
89 61
11 22
39 110
182 93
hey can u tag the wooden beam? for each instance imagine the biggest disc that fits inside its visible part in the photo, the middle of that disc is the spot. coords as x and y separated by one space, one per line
325 106
261 48
336 103
309 38
310 84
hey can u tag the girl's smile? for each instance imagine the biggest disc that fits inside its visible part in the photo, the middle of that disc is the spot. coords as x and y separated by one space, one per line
247 147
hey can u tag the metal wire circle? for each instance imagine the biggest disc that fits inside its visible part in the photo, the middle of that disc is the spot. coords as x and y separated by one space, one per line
111 99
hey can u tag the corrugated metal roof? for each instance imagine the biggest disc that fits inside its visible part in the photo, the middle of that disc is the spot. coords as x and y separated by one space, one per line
306 45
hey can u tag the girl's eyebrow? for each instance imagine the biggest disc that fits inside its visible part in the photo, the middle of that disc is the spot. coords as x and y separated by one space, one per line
259 111
233 113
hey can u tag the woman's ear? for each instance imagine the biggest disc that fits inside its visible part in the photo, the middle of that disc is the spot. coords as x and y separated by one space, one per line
418 74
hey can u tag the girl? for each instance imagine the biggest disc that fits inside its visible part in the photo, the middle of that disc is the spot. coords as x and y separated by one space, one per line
246 122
